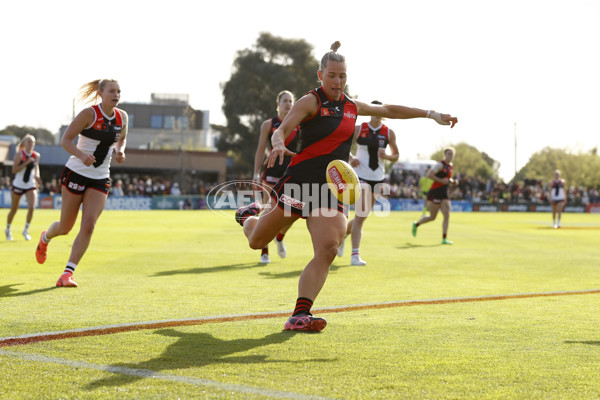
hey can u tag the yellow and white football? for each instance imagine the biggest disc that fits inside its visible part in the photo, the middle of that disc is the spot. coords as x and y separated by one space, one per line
343 181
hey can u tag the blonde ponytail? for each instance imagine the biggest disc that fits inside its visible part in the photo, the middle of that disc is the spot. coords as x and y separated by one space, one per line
25 138
88 92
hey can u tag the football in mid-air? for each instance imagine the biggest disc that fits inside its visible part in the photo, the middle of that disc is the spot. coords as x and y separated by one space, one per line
343 181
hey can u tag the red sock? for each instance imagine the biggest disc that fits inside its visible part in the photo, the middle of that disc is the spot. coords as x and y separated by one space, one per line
303 305
265 251
280 237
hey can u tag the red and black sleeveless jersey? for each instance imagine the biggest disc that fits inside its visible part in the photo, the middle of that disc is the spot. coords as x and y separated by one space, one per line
374 140
291 142
106 132
324 137
445 172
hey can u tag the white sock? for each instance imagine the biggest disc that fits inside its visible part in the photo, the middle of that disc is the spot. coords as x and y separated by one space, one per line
70 268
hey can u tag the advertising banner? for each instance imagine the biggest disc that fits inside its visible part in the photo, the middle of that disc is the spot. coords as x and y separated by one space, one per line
524 207
593 208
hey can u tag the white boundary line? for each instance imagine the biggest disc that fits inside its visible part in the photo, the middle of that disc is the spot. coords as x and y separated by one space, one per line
146 373
127 327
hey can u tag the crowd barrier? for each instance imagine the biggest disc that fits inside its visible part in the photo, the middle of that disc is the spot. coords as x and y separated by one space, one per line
197 202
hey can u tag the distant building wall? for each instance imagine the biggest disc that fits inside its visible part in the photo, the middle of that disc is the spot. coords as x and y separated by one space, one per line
168 122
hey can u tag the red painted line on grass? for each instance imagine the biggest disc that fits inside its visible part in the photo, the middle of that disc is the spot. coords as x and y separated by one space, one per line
112 329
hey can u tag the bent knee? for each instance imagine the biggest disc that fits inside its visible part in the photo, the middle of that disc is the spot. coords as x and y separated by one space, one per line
327 250
87 229
64 230
257 243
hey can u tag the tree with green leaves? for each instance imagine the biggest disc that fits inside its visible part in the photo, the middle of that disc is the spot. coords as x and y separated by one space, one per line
42 136
259 74
581 169
471 162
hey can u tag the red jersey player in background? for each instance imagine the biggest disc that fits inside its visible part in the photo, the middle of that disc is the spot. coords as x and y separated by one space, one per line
270 176
437 197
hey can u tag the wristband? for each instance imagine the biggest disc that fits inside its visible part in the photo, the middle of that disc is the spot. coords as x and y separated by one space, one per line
437 117
428 114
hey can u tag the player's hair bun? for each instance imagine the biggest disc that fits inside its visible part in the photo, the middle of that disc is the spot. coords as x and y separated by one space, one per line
335 46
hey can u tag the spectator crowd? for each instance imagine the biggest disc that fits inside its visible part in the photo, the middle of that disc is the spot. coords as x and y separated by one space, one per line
402 184
405 184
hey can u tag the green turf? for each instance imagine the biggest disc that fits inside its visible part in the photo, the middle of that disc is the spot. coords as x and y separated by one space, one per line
164 265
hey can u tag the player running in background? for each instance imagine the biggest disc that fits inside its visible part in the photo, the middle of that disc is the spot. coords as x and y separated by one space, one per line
26 168
270 176
437 197
327 118
85 182
557 198
372 139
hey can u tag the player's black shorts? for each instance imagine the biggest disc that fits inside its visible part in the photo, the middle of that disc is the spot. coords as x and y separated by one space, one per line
298 198
438 194
372 184
78 184
17 190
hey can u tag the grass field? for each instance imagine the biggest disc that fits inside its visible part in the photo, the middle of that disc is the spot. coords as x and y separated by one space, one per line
214 316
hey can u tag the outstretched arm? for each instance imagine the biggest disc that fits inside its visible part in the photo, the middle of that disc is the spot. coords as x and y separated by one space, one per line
401 112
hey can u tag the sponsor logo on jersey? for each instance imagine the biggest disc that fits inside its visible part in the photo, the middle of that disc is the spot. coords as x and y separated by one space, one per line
290 201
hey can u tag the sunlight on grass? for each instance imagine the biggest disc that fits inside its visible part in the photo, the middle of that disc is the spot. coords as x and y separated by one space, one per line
150 266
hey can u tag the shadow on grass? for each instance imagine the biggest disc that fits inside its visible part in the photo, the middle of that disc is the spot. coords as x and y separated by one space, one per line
408 245
592 342
196 350
209 270
9 291
296 273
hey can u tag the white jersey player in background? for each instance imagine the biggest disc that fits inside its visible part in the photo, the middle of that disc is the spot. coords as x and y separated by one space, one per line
558 198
